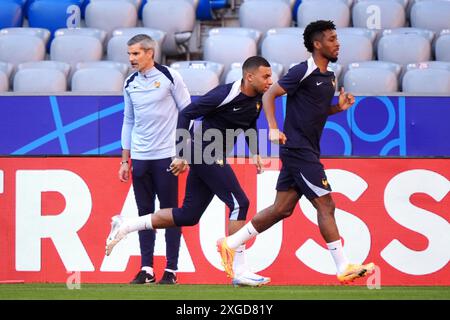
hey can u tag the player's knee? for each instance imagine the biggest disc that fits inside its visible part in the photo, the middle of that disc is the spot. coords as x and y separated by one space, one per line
186 217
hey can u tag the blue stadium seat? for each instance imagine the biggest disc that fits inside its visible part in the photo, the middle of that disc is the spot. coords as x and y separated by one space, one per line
54 14
10 14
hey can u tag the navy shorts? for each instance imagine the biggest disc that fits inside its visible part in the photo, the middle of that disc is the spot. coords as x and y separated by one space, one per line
205 181
303 171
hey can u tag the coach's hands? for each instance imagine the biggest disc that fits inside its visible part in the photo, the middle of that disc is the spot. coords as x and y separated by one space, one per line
178 166
276 136
124 172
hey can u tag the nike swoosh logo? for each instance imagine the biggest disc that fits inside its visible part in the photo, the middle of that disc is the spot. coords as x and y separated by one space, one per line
236 109
319 83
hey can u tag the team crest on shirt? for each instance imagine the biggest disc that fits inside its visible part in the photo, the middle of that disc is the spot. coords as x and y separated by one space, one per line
258 106
333 81
219 162
157 84
325 182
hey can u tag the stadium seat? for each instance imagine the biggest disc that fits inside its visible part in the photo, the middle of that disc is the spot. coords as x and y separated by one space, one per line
109 15
276 13
356 45
291 40
42 33
46 64
210 9
121 67
429 64
378 14
427 81
432 15
7 68
18 48
53 15
217 68
335 10
228 48
92 32
235 72
76 48
372 77
392 44
197 79
442 46
40 80
97 79
239 31
117 49
11 14
178 27
4 81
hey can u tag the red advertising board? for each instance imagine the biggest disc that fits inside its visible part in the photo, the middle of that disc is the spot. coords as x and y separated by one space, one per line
55 216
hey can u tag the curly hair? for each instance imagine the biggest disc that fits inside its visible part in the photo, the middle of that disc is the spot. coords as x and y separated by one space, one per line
314 30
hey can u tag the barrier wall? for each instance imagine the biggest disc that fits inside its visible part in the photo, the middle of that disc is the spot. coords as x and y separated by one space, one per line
55 215
91 125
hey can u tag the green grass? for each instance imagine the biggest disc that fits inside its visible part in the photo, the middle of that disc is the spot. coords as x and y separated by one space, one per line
50 291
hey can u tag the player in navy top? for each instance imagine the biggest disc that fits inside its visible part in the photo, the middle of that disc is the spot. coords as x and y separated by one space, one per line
310 87
231 106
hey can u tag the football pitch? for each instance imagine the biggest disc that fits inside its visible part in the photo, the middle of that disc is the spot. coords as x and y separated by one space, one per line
53 291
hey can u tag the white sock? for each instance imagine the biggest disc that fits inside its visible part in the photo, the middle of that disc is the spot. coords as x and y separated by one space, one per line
240 261
244 234
338 254
170 270
147 269
138 223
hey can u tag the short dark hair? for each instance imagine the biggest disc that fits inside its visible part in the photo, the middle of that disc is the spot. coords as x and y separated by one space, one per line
314 30
253 63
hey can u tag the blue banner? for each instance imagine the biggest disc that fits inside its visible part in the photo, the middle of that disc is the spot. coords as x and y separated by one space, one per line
91 125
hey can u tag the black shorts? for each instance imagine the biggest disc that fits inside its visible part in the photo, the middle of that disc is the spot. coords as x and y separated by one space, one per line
304 172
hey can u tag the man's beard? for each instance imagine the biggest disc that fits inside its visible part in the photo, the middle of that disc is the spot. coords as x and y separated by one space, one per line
333 59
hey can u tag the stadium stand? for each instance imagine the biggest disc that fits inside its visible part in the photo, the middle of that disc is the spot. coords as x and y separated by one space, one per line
117 45
224 32
199 76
